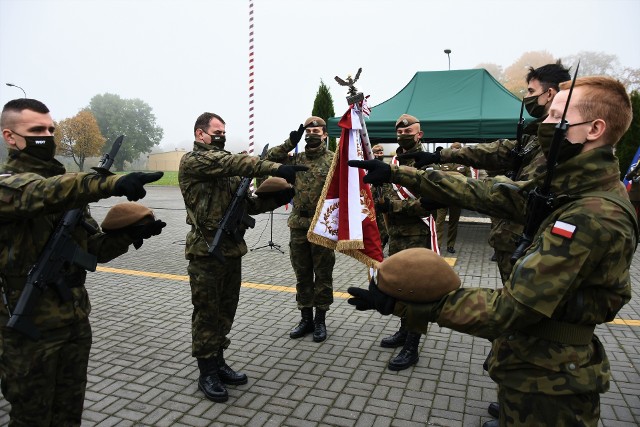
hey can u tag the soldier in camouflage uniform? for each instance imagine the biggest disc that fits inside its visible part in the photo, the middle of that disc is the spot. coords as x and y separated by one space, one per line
406 230
549 366
378 154
454 211
208 178
542 85
44 380
312 263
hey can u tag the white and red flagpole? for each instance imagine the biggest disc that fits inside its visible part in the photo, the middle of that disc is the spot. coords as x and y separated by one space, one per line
251 81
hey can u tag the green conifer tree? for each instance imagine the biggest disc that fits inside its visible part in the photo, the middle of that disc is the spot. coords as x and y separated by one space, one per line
323 107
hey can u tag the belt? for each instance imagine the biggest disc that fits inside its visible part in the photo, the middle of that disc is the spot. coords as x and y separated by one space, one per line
305 213
561 332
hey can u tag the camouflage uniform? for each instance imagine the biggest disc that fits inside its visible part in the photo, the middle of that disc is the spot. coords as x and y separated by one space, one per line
45 380
544 353
454 211
208 178
406 227
308 259
496 156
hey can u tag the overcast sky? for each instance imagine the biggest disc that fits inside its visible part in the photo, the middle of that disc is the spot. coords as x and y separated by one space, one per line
185 57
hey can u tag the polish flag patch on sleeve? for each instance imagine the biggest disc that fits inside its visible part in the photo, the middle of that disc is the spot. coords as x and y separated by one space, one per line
563 229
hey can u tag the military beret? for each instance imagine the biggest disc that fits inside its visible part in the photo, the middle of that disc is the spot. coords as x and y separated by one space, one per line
125 214
314 121
272 184
406 120
416 275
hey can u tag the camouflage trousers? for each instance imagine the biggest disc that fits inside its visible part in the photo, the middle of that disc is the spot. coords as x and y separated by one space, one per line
399 243
533 409
45 380
452 226
215 292
313 266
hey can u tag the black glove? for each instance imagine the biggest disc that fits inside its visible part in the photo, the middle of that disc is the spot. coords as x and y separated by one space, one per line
289 172
379 172
296 135
383 206
373 299
132 184
430 205
281 197
144 231
422 158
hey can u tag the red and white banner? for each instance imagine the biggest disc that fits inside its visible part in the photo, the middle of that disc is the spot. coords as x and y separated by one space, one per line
345 219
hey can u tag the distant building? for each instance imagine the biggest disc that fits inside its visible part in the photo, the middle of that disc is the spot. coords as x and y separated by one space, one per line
168 161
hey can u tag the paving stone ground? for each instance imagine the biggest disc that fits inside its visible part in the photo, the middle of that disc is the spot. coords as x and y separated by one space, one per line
141 371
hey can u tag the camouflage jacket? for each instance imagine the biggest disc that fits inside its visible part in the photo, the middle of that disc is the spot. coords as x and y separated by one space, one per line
455 168
579 277
497 156
309 184
405 216
499 197
33 197
208 178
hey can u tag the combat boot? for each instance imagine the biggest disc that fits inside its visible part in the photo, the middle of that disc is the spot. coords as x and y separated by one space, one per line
492 423
306 323
494 409
395 340
209 381
409 354
320 331
227 375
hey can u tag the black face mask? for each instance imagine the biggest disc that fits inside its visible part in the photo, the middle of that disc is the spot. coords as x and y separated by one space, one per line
40 147
407 141
567 150
533 108
218 139
313 141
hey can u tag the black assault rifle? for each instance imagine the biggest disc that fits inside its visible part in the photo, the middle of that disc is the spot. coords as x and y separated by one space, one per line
235 216
59 254
541 202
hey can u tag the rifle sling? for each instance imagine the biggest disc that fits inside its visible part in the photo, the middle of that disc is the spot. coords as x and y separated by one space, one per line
195 224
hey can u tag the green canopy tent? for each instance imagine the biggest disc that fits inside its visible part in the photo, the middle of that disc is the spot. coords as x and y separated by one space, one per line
458 105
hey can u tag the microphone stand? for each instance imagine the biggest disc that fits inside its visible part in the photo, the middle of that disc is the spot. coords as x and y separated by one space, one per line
270 245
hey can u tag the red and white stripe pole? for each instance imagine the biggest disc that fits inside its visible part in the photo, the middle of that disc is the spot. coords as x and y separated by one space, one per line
251 80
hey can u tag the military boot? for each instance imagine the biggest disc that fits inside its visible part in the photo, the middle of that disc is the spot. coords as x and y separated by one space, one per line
395 340
306 323
227 375
209 381
494 409
408 355
320 331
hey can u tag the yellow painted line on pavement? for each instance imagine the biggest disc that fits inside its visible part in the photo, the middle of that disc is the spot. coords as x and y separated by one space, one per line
277 288
143 273
186 279
450 261
626 322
